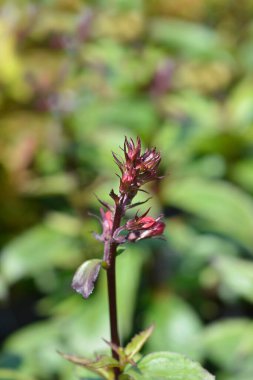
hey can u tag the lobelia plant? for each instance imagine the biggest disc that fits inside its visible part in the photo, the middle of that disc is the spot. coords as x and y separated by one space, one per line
126 363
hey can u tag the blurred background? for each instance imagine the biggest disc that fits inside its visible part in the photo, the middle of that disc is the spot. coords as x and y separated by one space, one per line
77 76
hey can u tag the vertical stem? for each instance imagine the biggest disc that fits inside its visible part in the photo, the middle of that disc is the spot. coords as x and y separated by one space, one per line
111 286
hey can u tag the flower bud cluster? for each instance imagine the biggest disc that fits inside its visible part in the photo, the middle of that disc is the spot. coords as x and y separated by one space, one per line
137 169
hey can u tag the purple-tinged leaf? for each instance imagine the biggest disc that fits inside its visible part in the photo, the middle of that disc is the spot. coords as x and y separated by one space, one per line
85 277
102 365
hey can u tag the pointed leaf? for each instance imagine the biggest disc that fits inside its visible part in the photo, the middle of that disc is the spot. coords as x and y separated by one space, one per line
101 366
168 366
85 277
223 207
235 277
138 341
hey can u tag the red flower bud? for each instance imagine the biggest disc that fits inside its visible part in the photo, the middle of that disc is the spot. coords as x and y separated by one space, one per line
137 169
144 227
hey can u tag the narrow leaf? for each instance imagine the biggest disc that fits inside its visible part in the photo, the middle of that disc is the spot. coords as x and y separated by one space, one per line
102 365
139 203
85 277
137 342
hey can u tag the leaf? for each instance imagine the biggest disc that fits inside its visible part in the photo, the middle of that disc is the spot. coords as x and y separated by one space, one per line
186 38
229 343
168 366
101 365
82 362
242 173
236 277
36 250
85 277
178 327
35 346
223 207
129 266
10 374
103 361
137 342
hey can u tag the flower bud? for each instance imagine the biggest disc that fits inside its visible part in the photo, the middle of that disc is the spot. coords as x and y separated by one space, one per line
137 169
144 227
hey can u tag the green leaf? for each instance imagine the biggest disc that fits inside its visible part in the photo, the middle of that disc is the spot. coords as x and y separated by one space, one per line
186 38
137 342
9 374
236 277
85 277
37 250
177 327
129 267
223 207
242 173
168 366
229 343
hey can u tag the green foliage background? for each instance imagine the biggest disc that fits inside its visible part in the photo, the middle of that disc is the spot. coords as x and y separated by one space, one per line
75 78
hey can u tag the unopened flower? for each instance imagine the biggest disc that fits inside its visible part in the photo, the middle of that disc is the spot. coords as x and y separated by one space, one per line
137 169
144 227
106 221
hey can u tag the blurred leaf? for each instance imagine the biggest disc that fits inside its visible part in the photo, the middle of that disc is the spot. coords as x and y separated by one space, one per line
10 67
239 105
36 250
36 345
223 207
51 185
177 327
129 266
188 39
242 173
197 247
236 277
168 365
9 374
229 343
